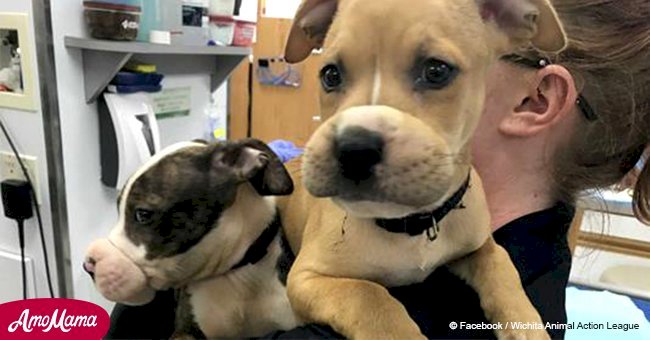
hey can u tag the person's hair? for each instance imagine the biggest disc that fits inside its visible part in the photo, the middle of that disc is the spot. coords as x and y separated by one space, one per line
609 56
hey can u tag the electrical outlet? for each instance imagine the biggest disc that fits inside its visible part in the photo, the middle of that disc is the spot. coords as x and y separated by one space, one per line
10 169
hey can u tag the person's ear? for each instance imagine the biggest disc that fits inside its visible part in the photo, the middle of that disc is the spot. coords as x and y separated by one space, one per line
551 98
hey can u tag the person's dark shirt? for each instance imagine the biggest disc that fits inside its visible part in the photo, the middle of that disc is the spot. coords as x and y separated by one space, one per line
537 242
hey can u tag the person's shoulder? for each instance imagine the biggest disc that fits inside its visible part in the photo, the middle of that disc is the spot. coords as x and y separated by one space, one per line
537 242
538 246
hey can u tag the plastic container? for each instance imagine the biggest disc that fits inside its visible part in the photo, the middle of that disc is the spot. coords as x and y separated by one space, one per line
244 33
222 29
222 7
151 19
160 15
112 21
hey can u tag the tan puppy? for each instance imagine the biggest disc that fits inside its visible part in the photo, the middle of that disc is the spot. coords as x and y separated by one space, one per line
403 89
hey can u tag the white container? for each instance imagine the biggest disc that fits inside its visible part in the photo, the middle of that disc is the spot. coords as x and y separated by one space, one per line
222 7
222 29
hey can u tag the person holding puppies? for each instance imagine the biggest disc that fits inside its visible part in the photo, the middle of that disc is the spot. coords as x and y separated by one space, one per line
553 126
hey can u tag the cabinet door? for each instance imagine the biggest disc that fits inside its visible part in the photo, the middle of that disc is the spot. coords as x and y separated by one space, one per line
238 101
276 112
284 112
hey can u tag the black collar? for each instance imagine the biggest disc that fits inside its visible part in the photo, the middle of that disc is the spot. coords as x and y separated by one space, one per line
258 250
416 224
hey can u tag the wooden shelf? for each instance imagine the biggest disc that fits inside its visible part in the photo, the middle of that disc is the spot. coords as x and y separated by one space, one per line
102 59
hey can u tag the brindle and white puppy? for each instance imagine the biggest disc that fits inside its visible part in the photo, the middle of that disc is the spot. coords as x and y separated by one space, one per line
202 219
403 89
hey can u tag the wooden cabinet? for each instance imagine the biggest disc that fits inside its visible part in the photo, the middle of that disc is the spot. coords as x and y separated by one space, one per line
276 112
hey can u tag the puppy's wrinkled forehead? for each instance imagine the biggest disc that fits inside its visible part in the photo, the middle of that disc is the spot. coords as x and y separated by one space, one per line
404 30
180 174
500 26
175 199
184 173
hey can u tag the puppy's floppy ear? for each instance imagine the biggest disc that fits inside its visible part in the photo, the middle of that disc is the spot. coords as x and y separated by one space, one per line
525 21
254 161
310 26
244 162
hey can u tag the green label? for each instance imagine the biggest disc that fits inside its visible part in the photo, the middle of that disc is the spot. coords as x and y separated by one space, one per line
174 102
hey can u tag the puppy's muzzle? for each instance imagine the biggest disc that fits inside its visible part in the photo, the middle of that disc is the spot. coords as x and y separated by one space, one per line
357 151
89 267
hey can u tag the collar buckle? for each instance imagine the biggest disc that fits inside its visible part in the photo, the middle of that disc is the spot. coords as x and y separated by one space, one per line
432 233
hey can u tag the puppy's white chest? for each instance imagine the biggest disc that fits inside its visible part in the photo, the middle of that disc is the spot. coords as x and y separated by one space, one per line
395 259
405 259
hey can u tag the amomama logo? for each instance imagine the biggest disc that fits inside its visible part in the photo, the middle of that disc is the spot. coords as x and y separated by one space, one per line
52 319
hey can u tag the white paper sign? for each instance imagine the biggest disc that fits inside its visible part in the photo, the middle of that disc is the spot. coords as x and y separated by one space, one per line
285 9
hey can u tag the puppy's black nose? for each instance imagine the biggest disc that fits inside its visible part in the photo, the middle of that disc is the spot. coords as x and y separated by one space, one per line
358 150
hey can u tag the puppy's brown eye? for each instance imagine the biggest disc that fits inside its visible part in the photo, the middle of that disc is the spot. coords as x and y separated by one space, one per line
144 216
331 78
435 74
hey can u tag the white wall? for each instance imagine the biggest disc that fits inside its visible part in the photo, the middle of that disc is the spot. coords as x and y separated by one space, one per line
26 129
91 206
615 225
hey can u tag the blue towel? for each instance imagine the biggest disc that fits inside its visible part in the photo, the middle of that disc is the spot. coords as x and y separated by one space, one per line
595 314
285 150
644 305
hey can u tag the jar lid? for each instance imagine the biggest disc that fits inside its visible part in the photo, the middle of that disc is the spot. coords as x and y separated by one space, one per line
249 22
111 6
221 18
